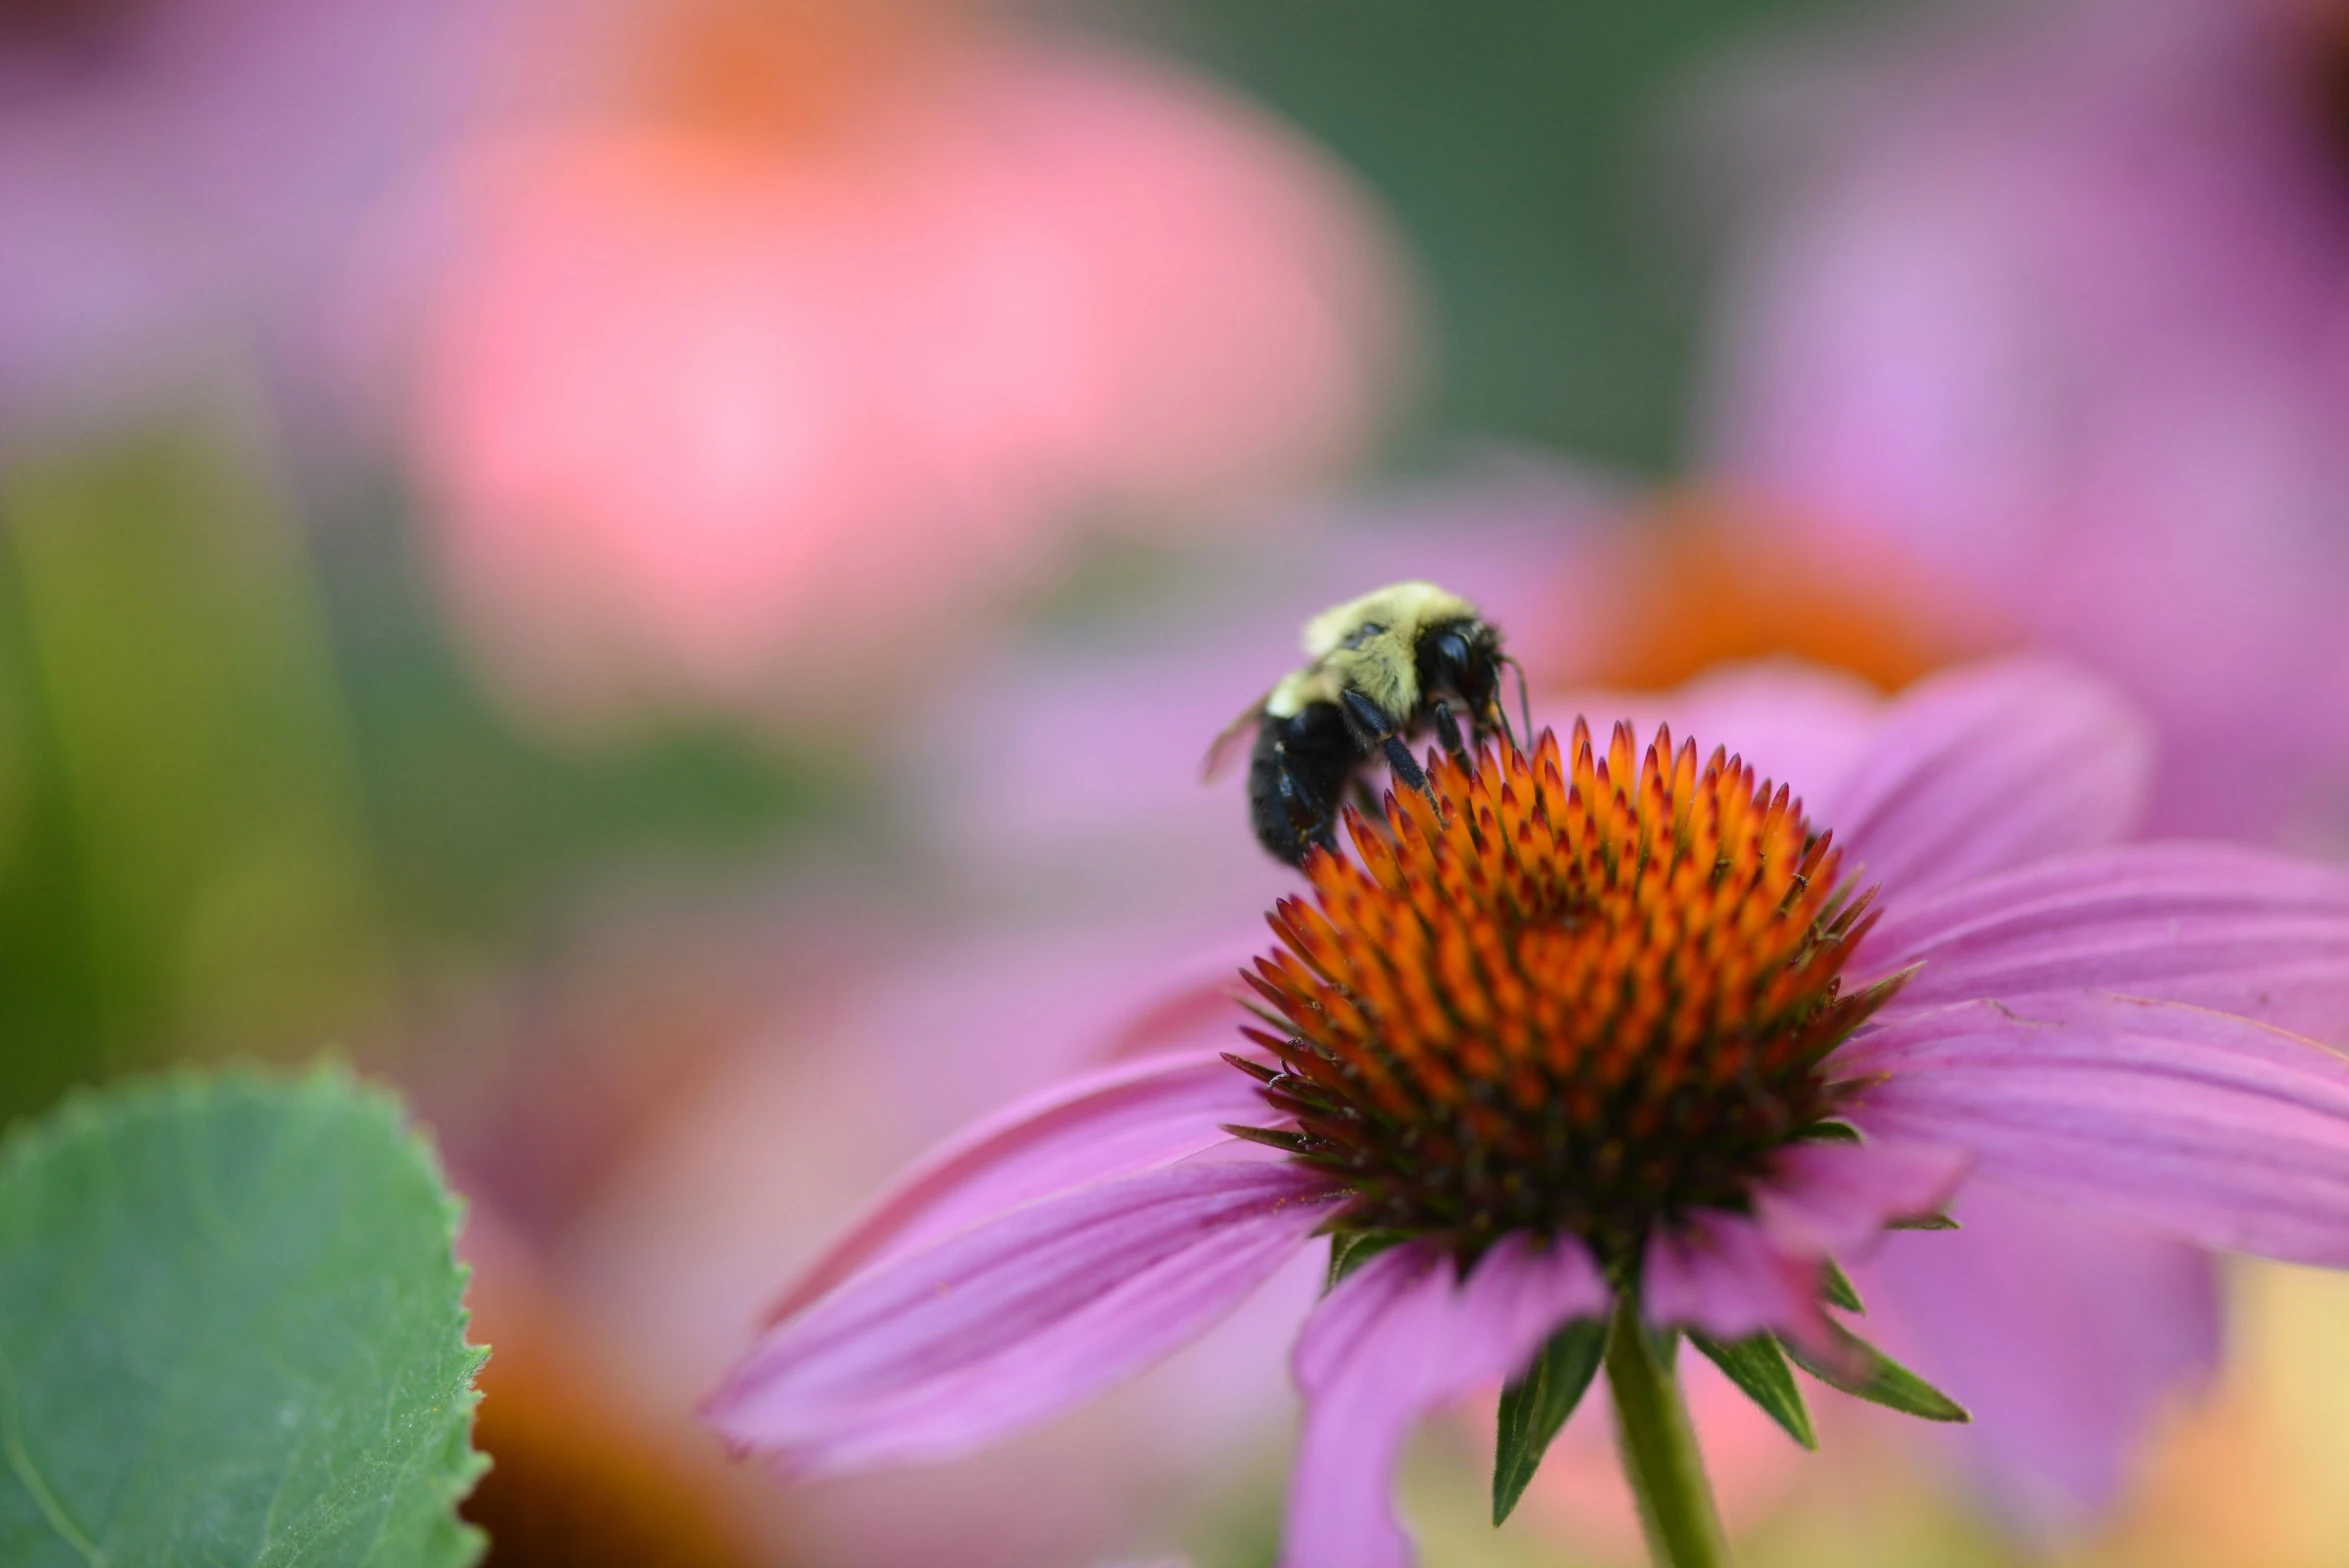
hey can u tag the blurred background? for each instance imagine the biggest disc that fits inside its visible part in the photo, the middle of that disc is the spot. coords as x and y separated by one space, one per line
657 572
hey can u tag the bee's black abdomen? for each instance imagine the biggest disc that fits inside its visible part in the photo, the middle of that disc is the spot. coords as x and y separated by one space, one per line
1297 779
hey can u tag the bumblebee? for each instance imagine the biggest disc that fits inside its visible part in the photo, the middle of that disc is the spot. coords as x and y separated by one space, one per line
1383 669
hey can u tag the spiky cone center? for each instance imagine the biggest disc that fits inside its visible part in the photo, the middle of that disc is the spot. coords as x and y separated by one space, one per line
1567 996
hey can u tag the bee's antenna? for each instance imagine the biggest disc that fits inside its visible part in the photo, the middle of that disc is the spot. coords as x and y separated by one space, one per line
1524 704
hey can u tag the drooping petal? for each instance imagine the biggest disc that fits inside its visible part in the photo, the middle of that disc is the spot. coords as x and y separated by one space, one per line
1724 1274
2065 1335
1125 1118
2200 1123
1834 1199
1985 768
1009 1322
2233 929
1402 1336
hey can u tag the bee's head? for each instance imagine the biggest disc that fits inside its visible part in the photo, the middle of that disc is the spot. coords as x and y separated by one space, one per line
1464 659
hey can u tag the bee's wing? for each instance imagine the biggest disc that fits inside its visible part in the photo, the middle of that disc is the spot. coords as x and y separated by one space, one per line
1226 747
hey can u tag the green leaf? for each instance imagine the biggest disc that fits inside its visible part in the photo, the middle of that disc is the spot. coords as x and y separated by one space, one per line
1837 1287
231 1333
1350 1249
1759 1367
1536 1405
1874 1376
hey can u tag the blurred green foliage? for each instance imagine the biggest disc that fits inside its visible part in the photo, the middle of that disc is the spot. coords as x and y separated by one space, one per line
486 832
1518 145
249 794
184 864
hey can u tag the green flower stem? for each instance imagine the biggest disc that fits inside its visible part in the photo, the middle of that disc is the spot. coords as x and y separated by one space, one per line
1659 1450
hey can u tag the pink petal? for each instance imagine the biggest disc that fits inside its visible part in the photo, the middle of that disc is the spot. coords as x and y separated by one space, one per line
1986 767
1125 1118
1797 723
1005 1324
1399 1338
2232 929
1725 1275
2065 1335
1834 1199
2210 1126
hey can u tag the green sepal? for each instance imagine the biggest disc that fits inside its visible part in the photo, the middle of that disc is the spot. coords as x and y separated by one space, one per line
1271 1137
1836 1286
1535 1406
1758 1367
1876 1377
1829 1132
1924 1222
1350 1249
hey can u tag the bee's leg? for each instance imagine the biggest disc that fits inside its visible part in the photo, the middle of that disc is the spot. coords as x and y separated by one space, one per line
1448 731
1373 729
1406 768
1366 720
1309 824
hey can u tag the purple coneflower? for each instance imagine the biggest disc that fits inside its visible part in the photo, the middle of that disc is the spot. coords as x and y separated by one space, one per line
1599 1050
2048 299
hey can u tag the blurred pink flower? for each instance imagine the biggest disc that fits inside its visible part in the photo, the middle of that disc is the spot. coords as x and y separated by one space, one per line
2056 299
2098 1027
740 414
179 180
